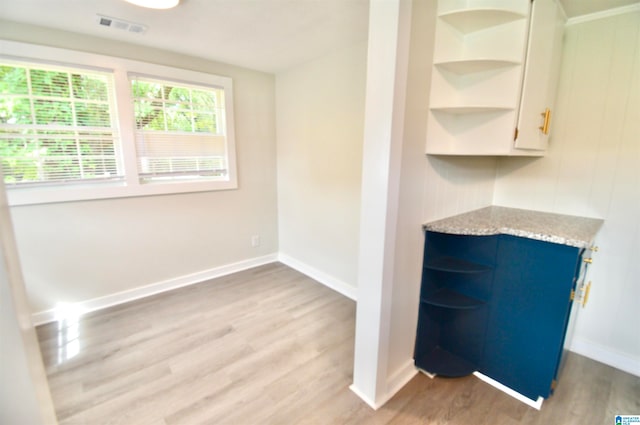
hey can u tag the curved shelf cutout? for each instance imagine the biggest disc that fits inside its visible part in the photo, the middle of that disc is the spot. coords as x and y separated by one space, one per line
441 362
470 109
472 20
456 265
447 298
472 66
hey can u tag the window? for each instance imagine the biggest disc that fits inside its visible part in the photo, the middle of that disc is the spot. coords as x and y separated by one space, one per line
56 125
79 126
179 130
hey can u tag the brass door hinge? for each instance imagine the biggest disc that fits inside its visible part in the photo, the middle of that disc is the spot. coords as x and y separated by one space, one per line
515 134
554 384
573 295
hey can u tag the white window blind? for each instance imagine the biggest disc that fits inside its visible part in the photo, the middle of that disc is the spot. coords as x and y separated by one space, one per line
180 130
57 124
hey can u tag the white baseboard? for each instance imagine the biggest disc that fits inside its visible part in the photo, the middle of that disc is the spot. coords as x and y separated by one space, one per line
332 282
536 404
605 355
399 379
364 398
427 374
394 384
110 300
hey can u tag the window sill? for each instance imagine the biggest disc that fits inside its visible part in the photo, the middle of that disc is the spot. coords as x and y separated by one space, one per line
86 192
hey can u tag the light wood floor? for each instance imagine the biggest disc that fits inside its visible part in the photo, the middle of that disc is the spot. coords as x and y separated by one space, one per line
271 346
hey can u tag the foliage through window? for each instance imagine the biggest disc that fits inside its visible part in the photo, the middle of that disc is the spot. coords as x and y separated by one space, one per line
180 130
57 125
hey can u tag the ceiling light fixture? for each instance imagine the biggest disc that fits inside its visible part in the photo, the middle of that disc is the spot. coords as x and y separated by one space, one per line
155 4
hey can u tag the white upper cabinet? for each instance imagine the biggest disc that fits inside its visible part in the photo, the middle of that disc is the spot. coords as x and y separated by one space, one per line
481 52
541 76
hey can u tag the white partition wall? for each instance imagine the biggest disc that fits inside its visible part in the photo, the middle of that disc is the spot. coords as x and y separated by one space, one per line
24 391
387 62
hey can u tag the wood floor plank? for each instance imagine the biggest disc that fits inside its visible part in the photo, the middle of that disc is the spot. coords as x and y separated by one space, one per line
271 346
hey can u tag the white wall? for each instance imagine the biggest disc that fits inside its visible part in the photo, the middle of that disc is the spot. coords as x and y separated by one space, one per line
320 120
78 251
24 391
593 169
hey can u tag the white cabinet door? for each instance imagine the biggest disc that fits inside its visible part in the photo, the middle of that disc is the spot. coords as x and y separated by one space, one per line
541 75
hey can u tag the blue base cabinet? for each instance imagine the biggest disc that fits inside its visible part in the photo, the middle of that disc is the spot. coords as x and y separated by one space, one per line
496 304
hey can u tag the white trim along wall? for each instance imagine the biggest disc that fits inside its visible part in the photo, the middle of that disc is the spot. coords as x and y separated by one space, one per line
99 303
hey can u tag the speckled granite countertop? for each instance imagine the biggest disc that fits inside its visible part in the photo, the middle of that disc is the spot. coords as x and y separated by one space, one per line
549 227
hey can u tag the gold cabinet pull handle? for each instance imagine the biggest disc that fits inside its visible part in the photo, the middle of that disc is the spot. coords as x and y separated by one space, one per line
594 248
547 117
585 297
588 260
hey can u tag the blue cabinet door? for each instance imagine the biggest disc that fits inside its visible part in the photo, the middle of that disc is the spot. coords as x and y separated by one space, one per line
529 311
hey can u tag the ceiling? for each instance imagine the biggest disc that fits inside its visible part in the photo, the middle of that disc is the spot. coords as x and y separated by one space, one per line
267 35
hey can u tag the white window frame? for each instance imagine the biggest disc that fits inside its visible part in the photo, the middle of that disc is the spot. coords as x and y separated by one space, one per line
121 69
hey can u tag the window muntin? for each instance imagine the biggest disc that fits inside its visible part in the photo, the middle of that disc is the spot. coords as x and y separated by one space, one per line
180 132
57 125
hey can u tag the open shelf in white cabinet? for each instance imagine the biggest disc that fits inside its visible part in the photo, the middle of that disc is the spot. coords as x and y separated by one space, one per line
470 109
468 130
476 82
472 20
473 66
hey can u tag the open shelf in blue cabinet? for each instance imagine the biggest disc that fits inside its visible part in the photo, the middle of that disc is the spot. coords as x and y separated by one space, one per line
448 298
456 286
444 363
455 265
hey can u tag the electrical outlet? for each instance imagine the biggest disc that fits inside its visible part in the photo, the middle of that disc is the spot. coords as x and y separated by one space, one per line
255 240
